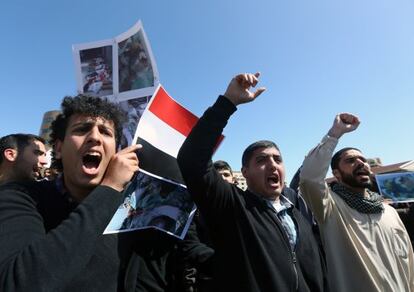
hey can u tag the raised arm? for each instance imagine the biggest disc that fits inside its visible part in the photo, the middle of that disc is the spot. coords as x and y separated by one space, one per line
316 164
194 158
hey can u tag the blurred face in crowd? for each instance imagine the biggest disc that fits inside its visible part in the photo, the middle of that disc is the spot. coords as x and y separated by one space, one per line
353 171
85 151
265 173
226 175
30 162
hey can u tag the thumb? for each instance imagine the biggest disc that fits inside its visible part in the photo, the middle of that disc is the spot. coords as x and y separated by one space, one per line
259 91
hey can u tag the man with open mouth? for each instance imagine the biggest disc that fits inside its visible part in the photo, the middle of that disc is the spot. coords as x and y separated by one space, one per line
367 246
261 242
51 231
22 157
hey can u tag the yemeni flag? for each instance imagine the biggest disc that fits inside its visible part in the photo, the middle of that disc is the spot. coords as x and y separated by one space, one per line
162 129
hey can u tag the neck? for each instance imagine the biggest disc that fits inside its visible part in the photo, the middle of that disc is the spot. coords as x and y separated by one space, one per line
359 190
274 198
78 194
6 175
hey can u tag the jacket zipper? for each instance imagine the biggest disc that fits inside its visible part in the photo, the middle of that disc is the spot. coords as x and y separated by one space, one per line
292 251
296 271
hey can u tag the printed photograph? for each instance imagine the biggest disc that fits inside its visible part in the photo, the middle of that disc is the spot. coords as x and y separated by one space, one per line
96 71
134 108
153 203
399 187
134 64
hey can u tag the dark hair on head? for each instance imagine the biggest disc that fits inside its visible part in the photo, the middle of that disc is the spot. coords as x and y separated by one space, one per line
17 141
221 164
90 106
337 156
248 152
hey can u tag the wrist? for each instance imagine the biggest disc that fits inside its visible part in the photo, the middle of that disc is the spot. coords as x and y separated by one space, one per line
334 133
113 185
232 100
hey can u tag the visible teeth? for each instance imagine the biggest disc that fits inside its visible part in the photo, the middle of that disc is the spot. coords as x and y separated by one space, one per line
93 153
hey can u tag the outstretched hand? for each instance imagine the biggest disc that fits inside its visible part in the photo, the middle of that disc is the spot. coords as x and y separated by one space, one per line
238 91
343 123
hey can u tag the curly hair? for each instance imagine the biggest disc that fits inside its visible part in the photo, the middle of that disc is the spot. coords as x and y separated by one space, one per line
89 106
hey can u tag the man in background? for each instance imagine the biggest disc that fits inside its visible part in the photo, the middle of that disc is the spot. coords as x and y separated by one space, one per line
225 170
22 157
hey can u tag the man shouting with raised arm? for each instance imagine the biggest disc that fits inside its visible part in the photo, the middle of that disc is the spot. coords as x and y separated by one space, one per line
367 247
261 240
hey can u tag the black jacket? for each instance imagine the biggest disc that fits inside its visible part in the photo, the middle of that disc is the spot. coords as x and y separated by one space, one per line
49 243
252 252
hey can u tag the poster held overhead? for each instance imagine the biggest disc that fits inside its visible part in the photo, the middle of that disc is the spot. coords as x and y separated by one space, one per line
121 68
94 68
136 71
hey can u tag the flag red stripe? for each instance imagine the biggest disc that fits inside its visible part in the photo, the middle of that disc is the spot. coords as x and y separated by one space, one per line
172 113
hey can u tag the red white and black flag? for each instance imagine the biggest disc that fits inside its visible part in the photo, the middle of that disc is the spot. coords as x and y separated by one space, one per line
162 129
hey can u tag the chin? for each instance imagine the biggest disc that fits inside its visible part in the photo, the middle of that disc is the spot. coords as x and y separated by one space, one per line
91 182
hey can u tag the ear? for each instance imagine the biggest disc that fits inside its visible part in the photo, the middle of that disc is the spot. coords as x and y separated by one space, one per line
58 149
10 154
336 174
244 172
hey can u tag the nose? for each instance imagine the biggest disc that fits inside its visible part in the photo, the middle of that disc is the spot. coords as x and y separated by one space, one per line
272 164
94 135
42 160
360 161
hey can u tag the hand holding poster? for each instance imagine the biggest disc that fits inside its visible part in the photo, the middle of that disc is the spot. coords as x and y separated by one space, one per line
123 69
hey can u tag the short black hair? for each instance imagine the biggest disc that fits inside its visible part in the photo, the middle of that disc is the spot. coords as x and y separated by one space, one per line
221 164
90 106
337 156
248 152
17 141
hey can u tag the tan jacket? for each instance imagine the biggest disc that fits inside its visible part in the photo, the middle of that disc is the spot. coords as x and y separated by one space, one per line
364 252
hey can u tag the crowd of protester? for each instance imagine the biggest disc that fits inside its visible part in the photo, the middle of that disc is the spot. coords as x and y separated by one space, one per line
311 236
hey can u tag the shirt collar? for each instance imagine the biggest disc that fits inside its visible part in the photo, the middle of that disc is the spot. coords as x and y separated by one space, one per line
283 204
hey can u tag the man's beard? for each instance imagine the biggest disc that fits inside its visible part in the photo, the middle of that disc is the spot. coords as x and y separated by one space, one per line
350 180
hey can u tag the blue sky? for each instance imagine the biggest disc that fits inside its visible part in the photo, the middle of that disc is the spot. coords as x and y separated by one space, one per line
317 58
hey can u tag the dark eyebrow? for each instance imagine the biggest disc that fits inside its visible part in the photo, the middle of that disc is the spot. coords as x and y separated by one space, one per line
106 128
349 158
82 124
40 152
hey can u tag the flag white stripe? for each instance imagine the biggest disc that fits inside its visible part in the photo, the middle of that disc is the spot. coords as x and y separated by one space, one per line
160 134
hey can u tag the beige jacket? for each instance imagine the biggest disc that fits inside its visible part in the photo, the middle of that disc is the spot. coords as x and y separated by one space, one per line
364 252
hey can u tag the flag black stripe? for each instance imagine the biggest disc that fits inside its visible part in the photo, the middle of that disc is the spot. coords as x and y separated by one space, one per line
157 162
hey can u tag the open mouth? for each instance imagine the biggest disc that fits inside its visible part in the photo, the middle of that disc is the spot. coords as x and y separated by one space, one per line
361 171
37 172
273 180
91 160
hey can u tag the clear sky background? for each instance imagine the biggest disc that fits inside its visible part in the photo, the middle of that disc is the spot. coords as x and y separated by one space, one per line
317 58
